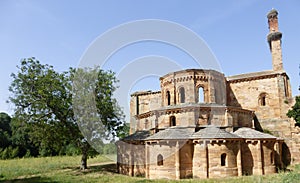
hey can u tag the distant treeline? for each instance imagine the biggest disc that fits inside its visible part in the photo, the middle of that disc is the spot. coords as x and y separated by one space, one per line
16 142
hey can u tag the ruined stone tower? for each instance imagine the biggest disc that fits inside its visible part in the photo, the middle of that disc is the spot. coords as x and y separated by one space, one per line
203 124
274 39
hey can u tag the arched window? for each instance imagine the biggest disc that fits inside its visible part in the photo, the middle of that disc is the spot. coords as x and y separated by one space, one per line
262 99
181 95
160 160
168 98
223 159
201 94
172 121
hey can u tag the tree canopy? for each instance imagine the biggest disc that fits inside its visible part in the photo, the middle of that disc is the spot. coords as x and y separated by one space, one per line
49 105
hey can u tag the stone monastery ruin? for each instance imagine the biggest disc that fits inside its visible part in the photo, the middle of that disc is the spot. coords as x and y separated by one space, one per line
202 124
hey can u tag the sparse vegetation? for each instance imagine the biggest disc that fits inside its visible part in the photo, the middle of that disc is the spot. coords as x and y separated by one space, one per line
295 112
267 131
102 169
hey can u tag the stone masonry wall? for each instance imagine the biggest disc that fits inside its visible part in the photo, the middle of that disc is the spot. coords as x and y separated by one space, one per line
131 158
142 103
215 150
186 160
167 170
246 95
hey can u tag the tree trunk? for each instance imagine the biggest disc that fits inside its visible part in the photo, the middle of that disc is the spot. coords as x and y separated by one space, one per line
83 161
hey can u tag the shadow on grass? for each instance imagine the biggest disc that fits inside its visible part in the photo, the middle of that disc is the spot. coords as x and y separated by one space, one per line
110 168
29 180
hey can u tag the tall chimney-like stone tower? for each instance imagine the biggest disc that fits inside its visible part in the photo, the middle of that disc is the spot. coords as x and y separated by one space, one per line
274 39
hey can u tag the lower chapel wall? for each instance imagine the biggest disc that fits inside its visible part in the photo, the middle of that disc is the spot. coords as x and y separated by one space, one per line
167 169
198 160
258 157
176 162
186 160
131 159
215 166
268 157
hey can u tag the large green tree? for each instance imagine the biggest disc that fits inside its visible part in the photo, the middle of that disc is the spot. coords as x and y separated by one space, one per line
5 130
44 102
295 111
95 109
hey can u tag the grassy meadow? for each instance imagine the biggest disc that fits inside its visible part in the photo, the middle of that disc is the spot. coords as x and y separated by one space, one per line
102 169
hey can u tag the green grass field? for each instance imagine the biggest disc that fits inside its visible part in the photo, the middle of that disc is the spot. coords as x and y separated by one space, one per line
102 169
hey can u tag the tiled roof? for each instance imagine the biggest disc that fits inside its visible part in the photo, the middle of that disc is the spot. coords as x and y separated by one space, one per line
149 92
175 133
249 133
139 135
253 75
212 132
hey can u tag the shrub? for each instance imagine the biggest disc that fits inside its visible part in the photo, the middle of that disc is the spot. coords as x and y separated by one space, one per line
9 153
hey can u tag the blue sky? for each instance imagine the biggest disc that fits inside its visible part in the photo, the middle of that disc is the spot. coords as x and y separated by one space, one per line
58 33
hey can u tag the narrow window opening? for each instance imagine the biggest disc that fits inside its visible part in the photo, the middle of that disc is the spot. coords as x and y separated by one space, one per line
137 105
223 159
146 124
272 157
168 98
201 94
182 95
285 88
216 96
172 121
263 99
160 160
